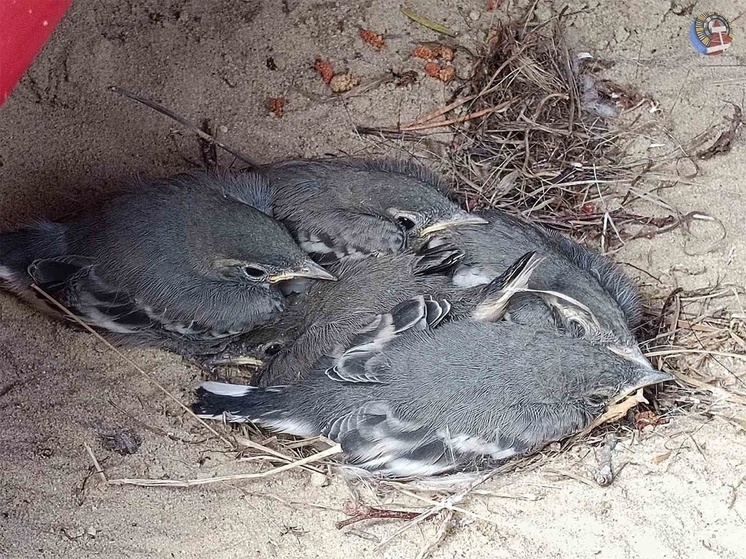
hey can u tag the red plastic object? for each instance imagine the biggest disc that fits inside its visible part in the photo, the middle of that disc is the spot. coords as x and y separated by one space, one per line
25 25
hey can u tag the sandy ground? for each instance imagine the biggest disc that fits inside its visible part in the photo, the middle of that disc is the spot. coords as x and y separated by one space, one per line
65 141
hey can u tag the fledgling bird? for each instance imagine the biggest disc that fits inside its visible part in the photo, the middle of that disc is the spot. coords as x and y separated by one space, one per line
415 396
169 261
603 306
330 313
343 209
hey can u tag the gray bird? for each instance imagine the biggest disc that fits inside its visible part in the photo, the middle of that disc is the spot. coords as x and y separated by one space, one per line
328 315
415 396
169 261
584 293
345 208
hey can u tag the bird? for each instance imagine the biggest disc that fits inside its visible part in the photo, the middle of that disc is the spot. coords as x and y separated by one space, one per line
347 208
575 289
165 261
330 313
414 395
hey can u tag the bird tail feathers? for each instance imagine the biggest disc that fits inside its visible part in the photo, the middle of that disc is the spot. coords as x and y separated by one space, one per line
18 249
497 294
440 258
238 404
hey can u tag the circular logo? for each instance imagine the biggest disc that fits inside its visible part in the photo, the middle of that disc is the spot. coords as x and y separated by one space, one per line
710 33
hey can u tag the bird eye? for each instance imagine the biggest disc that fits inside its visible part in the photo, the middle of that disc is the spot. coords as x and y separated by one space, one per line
597 399
272 348
254 272
407 222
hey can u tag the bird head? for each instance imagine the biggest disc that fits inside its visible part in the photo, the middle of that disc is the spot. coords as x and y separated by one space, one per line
615 378
259 252
574 385
609 329
424 222
254 349
265 272
409 195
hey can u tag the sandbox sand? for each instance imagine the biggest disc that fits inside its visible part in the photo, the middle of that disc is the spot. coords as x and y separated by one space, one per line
66 141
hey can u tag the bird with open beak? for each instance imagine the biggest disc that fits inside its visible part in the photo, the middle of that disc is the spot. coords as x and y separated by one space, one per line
342 209
167 262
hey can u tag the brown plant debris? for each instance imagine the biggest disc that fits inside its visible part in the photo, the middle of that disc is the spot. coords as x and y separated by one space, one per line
121 441
372 38
442 73
276 106
724 141
432 51
325 70
405 79
359 512
342 83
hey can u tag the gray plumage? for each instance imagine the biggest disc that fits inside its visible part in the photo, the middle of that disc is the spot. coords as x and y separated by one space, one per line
346 208
170 260
568 269
413 395
315 323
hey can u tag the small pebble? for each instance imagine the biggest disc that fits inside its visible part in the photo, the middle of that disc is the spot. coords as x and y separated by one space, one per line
223 129
474 15
319 480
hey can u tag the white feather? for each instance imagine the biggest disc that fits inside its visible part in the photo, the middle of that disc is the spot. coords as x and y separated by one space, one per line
225 389
7 274
468 276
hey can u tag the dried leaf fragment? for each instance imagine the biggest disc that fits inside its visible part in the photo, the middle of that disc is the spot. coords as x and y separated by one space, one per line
724 142
122 441
431 51
661 457
442 73
646 418
374 39
342 83
325 70
437 27
405 78
276 105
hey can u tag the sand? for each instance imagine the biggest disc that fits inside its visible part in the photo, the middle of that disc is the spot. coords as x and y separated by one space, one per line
66 141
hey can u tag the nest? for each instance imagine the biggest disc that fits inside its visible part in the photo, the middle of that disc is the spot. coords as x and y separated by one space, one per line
534 132
539 133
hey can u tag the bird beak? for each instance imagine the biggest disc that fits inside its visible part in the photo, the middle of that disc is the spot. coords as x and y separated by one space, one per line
239 361
632 354
309 270
458 220
650 378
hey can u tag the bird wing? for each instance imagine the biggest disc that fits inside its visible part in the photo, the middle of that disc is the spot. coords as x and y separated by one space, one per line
332 236
437 259
497 294
363 360
75 283
375 437
571 311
